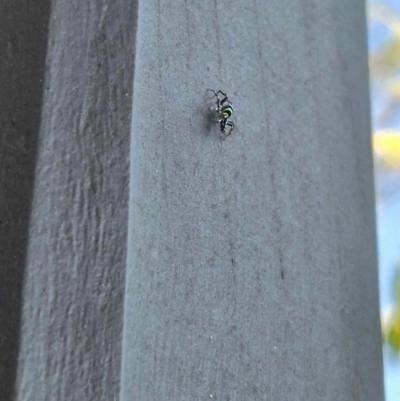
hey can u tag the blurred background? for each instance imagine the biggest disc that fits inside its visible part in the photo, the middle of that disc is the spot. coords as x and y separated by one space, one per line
384 54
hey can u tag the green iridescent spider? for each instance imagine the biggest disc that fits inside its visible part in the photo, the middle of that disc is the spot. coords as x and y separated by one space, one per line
224 112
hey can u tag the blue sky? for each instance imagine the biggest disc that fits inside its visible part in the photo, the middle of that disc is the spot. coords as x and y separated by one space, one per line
388 216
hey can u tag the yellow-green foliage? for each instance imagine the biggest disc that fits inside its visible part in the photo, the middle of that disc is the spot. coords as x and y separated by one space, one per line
391 320
385 73
386 145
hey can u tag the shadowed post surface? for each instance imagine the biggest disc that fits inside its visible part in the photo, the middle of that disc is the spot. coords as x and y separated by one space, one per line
23 43
71 328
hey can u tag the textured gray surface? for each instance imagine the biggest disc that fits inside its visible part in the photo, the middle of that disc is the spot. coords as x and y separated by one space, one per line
75 268
252 261
251 269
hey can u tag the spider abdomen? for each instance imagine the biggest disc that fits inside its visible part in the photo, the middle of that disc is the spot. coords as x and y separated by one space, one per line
227 111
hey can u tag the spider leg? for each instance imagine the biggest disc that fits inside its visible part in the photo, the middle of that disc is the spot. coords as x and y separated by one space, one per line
213 91
223 94
232 125
218 101
224 99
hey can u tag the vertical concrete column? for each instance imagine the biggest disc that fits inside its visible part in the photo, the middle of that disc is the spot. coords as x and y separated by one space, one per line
251 262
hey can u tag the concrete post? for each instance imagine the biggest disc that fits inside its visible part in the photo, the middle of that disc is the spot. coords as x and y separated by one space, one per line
247 266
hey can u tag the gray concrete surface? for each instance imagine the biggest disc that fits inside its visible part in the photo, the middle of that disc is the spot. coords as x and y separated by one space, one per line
71 329
252 261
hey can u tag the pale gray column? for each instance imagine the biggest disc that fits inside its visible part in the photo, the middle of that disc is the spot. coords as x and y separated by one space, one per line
252 268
